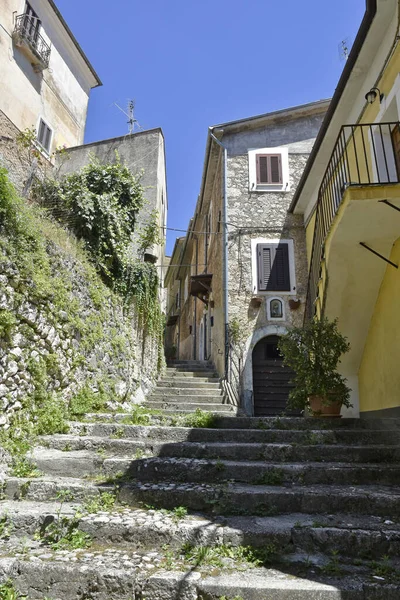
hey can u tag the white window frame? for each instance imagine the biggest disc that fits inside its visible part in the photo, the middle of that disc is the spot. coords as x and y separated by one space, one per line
42 148
292 271
269 317
269 187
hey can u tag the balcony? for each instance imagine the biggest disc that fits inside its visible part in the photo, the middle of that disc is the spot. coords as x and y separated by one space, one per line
364 165
356 224
27 37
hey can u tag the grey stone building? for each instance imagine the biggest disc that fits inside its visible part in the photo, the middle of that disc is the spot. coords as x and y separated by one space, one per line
247 275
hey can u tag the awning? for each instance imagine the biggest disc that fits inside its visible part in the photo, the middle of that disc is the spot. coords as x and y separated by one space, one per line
200 286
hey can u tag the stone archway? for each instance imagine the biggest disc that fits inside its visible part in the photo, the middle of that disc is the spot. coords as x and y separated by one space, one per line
258 335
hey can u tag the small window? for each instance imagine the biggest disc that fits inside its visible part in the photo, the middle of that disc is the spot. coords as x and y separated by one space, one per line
44 135
273 272
269 168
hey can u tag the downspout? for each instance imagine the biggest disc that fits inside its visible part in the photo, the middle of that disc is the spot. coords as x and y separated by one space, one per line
225 252
195 303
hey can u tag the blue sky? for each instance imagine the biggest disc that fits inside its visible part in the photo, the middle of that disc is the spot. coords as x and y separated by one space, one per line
191 64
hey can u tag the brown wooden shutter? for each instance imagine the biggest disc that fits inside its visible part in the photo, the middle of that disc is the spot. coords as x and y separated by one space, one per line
396 148
276 168
264 256
280 268
269 168
273 267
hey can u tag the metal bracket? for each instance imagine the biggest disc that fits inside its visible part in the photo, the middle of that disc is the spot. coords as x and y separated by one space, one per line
390 204
379 255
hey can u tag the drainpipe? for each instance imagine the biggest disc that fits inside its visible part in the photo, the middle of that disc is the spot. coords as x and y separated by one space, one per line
225 252
195 303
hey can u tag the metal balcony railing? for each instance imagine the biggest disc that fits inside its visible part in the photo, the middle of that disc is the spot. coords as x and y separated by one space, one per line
367 154
27 30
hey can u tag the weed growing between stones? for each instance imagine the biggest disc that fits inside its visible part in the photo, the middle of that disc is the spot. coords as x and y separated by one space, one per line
333 566
200 418
6 527
214 556
271 477
104 502
23 467
8 592
384 569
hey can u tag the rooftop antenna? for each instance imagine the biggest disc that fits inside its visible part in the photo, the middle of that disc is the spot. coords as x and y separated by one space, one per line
344 49
132 122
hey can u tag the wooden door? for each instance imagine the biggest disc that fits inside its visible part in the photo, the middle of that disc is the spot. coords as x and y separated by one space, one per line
396 148
271 379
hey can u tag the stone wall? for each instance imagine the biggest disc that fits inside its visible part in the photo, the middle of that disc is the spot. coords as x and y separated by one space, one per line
90 339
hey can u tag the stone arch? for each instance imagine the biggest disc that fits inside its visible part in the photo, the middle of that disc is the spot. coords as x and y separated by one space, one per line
247 380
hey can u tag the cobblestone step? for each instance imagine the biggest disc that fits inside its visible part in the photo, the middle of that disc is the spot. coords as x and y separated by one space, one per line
203 383
370 536
266 500
199 434
204 403
213 471
85 462
270 452
187 393
114 574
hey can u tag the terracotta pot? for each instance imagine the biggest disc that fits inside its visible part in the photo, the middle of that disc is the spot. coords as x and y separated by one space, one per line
319 408
294 304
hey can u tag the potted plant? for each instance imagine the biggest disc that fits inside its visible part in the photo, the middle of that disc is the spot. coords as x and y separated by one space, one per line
313 353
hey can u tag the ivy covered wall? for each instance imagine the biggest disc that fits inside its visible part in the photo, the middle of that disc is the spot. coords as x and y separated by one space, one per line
74 335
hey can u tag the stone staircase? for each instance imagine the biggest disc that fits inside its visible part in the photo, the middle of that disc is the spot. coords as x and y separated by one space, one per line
244 509
187 386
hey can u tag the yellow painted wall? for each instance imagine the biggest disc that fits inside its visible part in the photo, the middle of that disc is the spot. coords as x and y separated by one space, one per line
309 237
379 374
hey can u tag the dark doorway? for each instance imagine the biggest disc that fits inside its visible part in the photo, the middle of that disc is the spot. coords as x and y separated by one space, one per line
271 379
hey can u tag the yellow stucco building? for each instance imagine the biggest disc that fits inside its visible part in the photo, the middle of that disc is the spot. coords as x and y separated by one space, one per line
349 197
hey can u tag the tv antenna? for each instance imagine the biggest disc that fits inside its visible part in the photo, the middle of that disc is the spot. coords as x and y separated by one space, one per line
130 113
344 49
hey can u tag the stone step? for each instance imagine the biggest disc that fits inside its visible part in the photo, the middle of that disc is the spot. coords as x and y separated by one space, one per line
304 437
112 574
187 363
184 372
198 392
274 452
144 529
225 499
228 499
199 383
207 404
85 462
369 537
309 423
215 471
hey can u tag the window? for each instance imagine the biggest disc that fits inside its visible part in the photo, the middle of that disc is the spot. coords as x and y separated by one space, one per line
273 267
31 23
269 168
44 135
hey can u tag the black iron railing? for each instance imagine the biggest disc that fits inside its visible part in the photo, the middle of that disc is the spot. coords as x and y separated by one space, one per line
27 29
367 154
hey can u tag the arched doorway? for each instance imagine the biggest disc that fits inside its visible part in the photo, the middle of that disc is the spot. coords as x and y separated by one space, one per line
271 378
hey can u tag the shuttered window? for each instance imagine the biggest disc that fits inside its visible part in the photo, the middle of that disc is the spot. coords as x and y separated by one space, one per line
273 267
269 168
44 135
396 148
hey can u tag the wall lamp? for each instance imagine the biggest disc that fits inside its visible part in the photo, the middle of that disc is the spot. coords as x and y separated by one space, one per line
372 94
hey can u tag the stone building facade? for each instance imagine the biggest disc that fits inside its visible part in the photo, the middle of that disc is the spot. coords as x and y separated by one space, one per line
233 310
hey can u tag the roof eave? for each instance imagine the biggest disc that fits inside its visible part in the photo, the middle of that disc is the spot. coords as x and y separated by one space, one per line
362 33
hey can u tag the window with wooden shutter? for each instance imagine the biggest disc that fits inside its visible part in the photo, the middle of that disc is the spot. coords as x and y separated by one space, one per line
269 169
273 267
396 148
44 135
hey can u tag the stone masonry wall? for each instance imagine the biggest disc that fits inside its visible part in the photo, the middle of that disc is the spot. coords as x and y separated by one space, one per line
85 339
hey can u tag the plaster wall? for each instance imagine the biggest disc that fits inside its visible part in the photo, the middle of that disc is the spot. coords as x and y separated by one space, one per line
379 374
59 94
